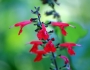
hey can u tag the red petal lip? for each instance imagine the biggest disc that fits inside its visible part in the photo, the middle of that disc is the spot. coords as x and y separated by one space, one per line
38 58
20 31
39 55
63 32
35 46
71 52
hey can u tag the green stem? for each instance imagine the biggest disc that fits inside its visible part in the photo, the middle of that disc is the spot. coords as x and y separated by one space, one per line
54 59
55 63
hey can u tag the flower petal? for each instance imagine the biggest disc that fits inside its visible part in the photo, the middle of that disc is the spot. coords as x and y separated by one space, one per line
20 31
22 24
61 25
36 42
50 47
53 49
71 52
34 48
39 35
46 48
65 59
38 58
43 34
39 55
63 32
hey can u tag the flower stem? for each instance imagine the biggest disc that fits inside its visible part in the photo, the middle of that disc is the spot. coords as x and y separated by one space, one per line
53 56
39 19
55 63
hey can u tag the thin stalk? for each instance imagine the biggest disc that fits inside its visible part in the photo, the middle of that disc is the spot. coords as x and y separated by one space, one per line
39 18
55 63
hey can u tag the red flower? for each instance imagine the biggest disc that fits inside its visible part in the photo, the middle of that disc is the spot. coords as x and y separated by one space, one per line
35 46
50 47
66 60
22 24
62 25
43 34
39 55
69 47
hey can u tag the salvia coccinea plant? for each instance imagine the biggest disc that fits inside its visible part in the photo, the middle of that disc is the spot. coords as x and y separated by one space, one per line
44 39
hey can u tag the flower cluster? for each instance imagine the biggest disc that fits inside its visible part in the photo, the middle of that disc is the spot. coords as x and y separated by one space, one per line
42 34
44 39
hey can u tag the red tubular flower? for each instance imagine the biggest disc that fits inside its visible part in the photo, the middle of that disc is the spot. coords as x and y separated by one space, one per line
39 55
69 47
43 34
66 60
62 25
22 24
35 46
50 47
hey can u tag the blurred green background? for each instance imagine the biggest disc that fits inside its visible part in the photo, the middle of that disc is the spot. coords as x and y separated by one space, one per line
14 54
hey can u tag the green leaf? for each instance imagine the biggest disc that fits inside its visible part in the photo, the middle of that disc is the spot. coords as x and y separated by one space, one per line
74 34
